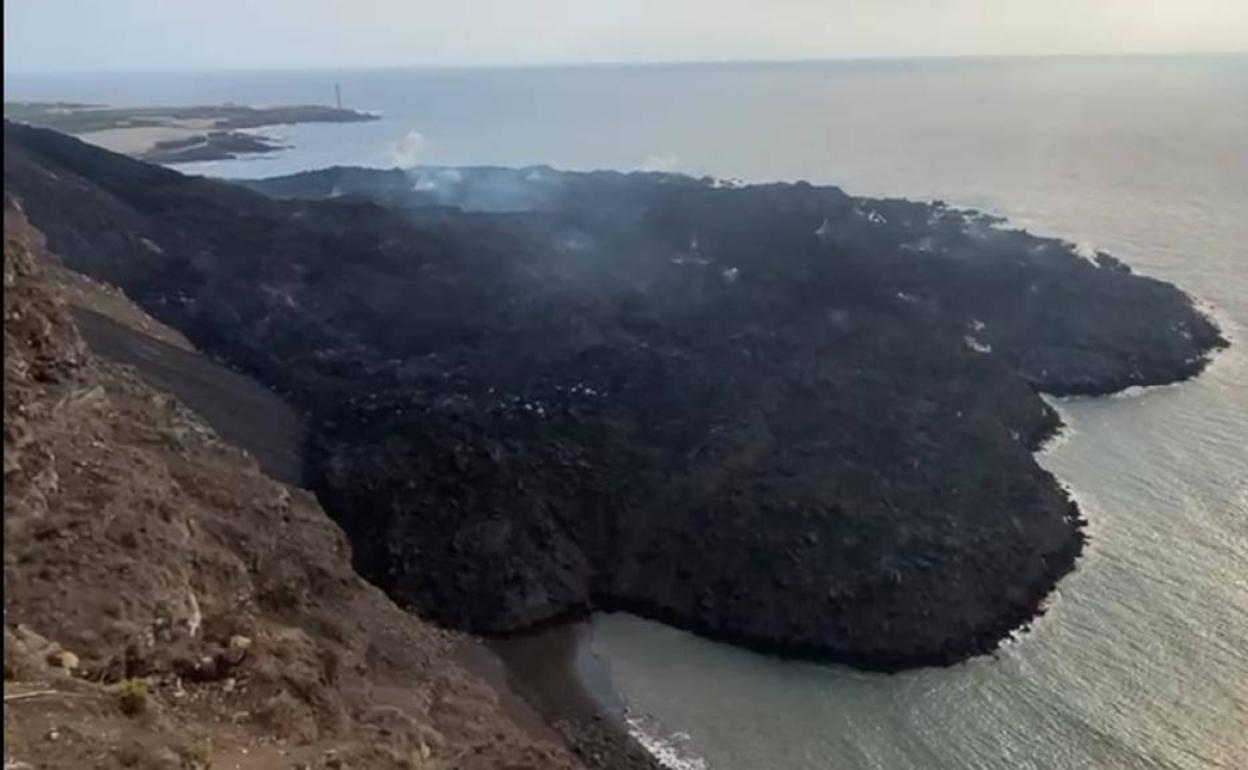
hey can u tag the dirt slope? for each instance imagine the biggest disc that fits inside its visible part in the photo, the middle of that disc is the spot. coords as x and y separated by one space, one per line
168 605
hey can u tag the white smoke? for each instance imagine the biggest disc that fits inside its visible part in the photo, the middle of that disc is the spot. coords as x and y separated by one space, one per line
1087 252
406 152
444 182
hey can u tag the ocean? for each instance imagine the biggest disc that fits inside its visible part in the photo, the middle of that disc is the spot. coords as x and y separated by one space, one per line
1142 658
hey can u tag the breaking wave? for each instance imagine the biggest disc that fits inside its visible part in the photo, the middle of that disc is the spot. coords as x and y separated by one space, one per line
671 752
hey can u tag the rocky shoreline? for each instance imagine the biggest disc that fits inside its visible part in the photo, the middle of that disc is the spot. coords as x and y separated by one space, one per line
776 415
213 145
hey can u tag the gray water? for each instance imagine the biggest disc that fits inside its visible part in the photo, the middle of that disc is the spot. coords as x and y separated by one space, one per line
1142 660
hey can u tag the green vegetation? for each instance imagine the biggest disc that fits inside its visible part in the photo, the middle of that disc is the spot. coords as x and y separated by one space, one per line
197 753
132 696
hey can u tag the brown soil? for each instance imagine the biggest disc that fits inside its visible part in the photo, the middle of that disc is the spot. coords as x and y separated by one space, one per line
167 605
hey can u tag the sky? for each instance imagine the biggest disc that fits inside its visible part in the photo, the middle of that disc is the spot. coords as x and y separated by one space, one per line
121 35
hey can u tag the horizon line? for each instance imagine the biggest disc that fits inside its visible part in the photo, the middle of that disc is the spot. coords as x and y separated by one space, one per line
593 64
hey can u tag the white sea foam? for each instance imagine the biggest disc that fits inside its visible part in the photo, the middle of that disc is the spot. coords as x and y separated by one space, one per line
671 752
1063 434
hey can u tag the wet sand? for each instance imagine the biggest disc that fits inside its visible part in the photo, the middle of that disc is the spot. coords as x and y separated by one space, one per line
479 659
556 671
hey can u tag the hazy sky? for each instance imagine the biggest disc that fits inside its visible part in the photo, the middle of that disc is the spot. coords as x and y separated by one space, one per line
75 35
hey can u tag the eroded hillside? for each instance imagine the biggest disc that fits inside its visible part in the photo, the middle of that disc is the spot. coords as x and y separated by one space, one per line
167 605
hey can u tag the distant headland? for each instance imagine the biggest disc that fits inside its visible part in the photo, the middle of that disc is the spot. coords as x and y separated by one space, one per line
172 135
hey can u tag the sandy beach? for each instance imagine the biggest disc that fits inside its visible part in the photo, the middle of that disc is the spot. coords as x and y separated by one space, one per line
139 140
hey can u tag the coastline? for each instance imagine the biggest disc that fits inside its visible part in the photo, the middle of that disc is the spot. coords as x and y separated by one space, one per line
179 134
869 619
556 672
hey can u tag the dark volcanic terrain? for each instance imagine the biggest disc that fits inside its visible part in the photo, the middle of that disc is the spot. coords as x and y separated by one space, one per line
776 414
